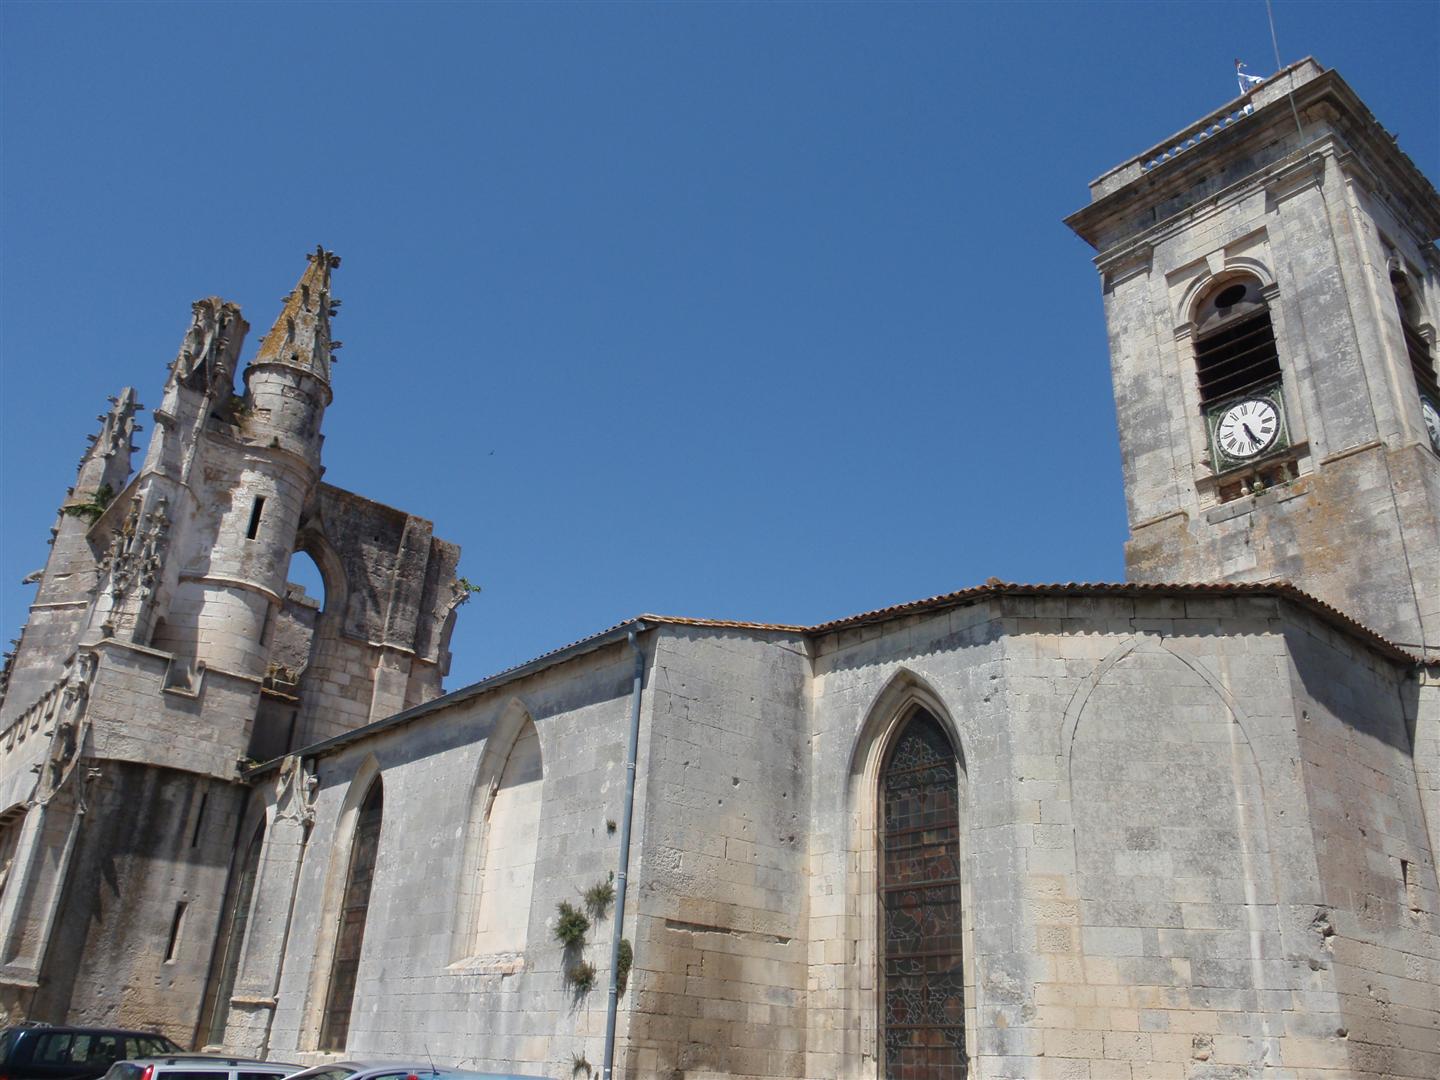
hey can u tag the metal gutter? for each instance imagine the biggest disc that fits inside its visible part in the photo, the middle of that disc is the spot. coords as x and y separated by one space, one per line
612 1004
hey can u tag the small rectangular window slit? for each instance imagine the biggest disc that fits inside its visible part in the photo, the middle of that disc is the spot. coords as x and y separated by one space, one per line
255 517
199 819
1412 890
176 926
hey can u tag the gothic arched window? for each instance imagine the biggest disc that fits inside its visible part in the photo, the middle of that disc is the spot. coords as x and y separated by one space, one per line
350 934
216 1005
923 1004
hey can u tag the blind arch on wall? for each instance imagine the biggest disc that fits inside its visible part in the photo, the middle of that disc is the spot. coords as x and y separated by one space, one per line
921 928
511 837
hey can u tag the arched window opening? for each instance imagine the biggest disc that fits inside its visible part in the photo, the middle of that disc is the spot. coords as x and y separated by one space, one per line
923 1003
350 932
1417 347
10 824
237 921
1234 342
512 833
306 579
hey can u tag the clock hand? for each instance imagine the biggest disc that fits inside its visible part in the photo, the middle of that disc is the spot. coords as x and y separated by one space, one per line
1253 437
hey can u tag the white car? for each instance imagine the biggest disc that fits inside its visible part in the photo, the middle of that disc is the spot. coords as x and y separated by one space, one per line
390 1070
199 1067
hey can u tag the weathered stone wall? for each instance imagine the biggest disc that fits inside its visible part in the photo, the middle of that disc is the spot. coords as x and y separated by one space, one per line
150 840
720 931
421 987
1162 868
1376 908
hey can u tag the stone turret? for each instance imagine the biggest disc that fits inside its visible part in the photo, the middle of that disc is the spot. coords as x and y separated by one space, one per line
262 463
288 382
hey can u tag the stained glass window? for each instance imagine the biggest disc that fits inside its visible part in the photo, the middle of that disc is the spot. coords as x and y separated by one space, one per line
924 983
351 934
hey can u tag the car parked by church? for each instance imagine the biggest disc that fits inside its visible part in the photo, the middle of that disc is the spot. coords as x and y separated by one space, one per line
391 1070
46 1052
200 1067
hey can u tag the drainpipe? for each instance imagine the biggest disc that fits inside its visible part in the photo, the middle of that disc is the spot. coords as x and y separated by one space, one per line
612 1003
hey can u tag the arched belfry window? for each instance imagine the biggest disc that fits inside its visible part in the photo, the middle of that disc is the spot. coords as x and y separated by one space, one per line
923 1004
1238 375
350 933
1234 342
1418 348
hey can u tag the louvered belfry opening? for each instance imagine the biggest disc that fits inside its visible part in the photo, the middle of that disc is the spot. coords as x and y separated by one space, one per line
1421 360
924 982
349 938
1235 343
1422 363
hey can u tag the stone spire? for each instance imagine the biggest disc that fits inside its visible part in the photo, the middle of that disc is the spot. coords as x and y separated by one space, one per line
106 461
300 337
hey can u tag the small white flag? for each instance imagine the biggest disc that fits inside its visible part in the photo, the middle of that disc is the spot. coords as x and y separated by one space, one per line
1247 82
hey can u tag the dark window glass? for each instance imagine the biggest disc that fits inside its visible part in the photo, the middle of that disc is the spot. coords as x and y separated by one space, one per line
260 1075
924 983
192 1074
52 1050
145 1046
350 936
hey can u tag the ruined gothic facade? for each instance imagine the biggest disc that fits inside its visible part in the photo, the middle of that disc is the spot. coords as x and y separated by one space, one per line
1176 827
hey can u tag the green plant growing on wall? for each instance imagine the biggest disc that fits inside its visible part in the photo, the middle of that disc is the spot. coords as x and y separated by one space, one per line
466 588
598 898
234 410
625 957
579 1064
571 926
581 976
93 507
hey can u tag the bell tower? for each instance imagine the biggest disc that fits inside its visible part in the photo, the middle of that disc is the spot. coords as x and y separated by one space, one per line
1271 290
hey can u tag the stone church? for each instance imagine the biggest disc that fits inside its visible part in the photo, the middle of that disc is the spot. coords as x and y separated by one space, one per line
1181 826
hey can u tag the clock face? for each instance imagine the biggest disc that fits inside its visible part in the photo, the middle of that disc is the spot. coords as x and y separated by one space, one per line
1432 421
1248 428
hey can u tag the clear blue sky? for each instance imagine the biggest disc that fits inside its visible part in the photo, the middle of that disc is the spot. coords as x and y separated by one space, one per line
729 310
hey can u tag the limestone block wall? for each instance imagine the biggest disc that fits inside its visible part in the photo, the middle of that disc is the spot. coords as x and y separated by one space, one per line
1150 890
1193 844
1377 910
422 986
149 708
721 919
132 941
48 640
